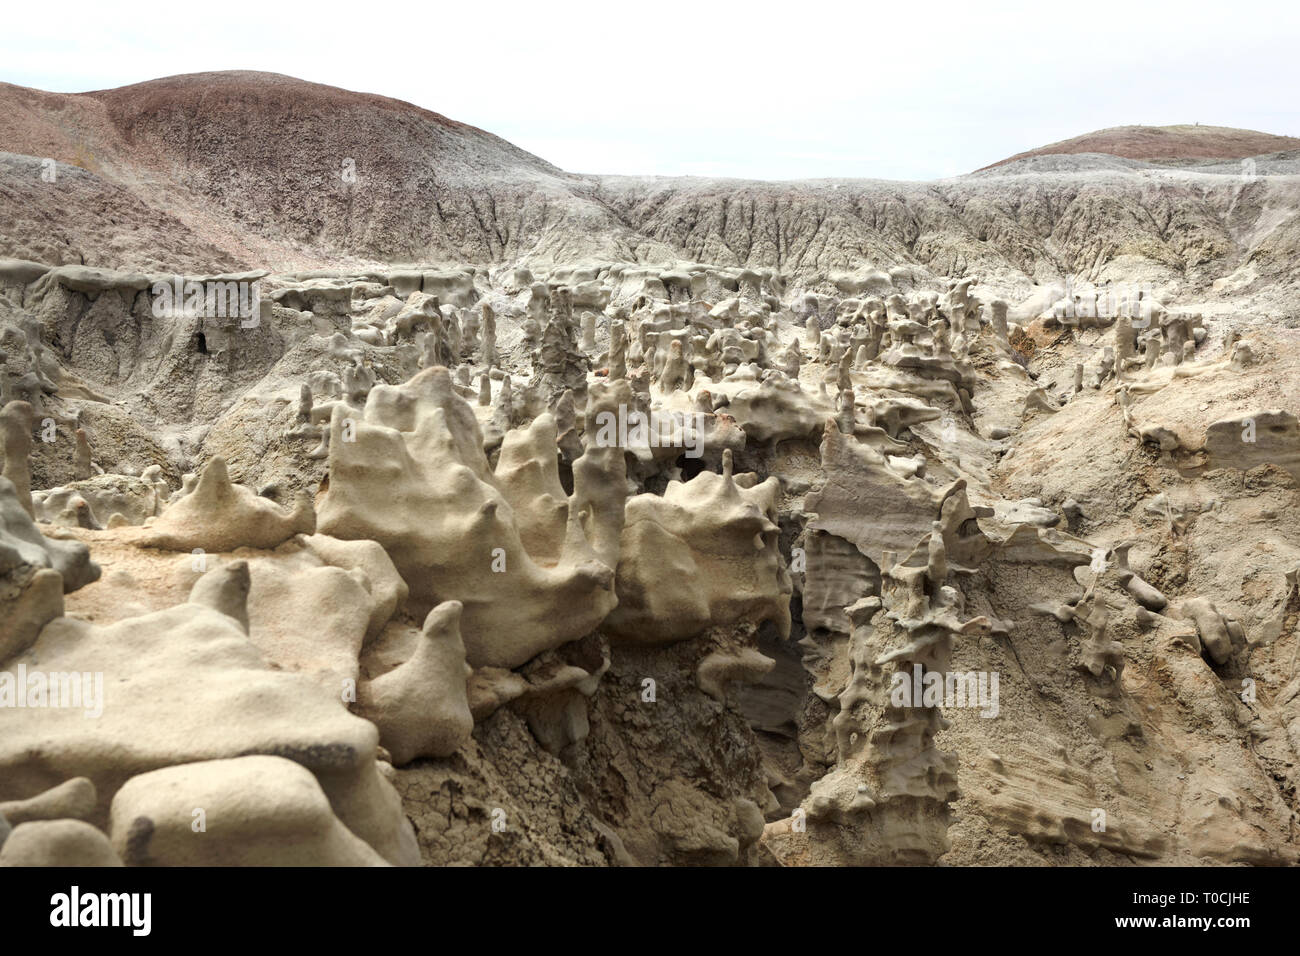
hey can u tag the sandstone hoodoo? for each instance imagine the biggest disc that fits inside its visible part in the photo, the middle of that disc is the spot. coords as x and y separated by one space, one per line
492 514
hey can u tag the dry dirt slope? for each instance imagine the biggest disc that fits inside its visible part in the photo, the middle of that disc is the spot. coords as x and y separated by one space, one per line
1167 143
223 170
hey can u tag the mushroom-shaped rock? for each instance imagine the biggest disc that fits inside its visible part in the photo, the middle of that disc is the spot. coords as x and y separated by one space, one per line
421 706
219 515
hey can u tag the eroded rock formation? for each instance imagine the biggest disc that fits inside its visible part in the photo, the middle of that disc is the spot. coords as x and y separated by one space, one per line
621 563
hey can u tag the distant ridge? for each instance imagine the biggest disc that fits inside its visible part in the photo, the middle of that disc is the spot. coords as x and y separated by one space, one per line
228 171
1166 143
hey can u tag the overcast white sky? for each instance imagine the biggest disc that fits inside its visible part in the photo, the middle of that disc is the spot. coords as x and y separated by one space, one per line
910 90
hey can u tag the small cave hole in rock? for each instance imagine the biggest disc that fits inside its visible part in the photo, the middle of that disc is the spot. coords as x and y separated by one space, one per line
690 466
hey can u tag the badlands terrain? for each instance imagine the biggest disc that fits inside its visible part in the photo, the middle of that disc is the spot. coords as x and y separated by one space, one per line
375 492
